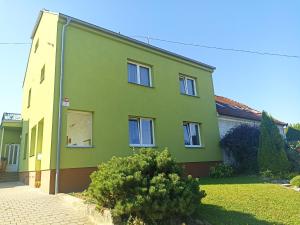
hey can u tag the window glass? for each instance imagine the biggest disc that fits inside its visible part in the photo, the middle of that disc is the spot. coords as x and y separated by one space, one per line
182 85
190 87
42 74
79 128
134 132
25 146
146 125
186 134
29 98
144 76
132 73
195 134
32 141
191 134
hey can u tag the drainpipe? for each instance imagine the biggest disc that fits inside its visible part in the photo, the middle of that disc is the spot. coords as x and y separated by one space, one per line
2 135
61 79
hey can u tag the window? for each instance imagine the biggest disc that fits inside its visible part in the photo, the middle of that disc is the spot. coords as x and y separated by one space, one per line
192 136
36 45
79 128
139 74
187 85
141 132
29 98
42 74
25 146
32 141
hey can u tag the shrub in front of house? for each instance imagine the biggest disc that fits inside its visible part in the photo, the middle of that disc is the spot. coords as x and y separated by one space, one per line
295 181
221 170
271 153
148 186
241 143
293 155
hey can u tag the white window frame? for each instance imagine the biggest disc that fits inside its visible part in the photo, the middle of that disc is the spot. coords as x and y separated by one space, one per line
199 135
139 119
185 78
138 65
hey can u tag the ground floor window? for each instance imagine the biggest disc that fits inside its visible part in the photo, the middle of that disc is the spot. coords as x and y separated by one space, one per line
192 136
141 132
79 128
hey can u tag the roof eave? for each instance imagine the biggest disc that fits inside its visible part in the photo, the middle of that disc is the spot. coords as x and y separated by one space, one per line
81 22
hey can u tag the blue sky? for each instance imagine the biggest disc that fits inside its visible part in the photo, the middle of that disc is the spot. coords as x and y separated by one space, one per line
263 82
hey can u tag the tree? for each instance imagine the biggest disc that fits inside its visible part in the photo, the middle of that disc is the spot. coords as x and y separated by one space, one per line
241 143
296 126
271 153
293 134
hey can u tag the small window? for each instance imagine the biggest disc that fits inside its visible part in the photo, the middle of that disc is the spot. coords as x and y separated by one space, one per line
192 136
32 141
36 45
141 132
42 74
25 146
79 129
187 86
29 98
139 74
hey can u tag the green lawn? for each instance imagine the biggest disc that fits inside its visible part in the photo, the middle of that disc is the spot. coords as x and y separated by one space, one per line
248 200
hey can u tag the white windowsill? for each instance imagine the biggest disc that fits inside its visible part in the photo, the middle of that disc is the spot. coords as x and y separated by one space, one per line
189 95
78 146
194 146
141 146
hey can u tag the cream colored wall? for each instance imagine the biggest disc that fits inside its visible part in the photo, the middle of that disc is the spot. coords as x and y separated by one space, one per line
42 94
226 123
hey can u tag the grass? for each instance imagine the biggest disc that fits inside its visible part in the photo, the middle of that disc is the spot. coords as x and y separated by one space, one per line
248 200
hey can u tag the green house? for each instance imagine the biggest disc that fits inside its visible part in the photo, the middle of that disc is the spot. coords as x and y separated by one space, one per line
90 94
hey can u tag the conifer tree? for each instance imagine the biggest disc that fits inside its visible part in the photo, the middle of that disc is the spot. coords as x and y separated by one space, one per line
271 153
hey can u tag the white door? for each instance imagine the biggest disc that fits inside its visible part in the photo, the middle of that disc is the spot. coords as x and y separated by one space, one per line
12 157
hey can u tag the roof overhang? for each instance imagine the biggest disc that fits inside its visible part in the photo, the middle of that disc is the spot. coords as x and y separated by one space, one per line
123 37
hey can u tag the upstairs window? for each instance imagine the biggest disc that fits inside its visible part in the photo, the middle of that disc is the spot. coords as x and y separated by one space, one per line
29 98
25 146
192 136
36 46
42 74
141 132
139 74
79 128
32 141
187 86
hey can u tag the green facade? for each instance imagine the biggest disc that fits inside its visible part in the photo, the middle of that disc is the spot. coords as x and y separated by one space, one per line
96 80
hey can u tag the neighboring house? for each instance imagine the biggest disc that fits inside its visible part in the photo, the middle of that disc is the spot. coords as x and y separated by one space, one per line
117 94
10 131
232 114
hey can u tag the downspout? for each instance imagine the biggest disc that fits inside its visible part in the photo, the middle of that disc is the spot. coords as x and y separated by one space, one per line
1 145
61 79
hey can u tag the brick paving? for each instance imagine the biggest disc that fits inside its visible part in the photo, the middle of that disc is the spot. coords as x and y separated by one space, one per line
21 204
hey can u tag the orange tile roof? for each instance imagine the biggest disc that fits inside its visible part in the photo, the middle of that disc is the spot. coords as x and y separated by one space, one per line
229 107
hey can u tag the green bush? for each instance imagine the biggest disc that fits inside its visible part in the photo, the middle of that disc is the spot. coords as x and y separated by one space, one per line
242 144
293 155
221 170
148 186
271 152
293 134
295 181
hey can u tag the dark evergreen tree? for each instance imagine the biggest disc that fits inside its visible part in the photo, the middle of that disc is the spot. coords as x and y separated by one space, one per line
271 153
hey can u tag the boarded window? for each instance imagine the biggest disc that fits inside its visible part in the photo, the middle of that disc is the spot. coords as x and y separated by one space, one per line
79 128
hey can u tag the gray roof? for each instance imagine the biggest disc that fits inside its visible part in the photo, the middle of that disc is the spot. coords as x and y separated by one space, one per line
118 35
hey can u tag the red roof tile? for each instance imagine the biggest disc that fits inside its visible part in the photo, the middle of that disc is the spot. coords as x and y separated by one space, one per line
229 107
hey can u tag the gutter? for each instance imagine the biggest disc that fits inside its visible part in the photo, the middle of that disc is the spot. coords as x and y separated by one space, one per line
61 79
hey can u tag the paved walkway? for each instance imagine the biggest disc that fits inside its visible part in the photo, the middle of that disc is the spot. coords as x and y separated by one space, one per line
21 204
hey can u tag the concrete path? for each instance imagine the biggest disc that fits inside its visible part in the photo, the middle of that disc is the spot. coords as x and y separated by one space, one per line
21 204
